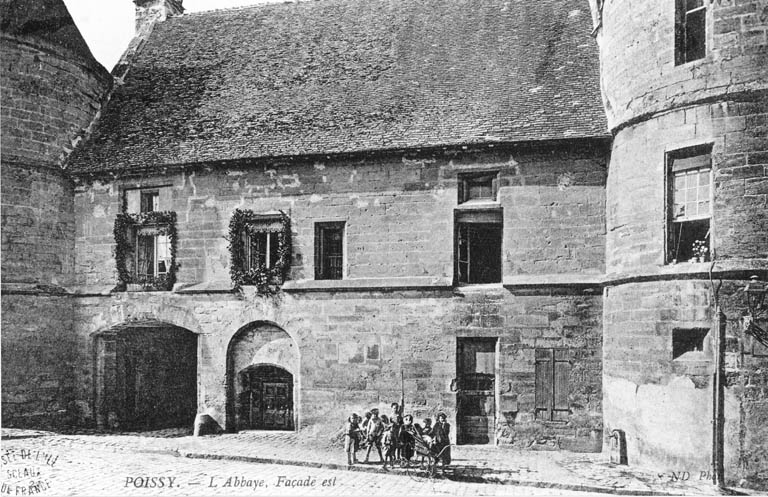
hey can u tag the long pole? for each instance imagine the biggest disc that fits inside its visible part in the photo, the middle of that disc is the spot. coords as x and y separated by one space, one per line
718 421
402 393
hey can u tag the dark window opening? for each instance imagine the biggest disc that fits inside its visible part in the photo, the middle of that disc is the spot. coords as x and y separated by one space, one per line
690 206
479 252
153 256
553 372
261 248
478 187
329 251
688 340
372 352
149 201
690 31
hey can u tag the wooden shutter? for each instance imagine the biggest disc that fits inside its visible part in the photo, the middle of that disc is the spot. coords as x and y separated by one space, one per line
544 379
562 375
495 187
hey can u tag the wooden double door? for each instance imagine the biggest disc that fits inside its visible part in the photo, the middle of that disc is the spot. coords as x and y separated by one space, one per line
266 399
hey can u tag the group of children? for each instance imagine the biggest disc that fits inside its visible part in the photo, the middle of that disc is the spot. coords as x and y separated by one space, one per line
396 435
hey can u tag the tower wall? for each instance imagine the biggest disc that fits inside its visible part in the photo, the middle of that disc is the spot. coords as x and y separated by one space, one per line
655 107
50 94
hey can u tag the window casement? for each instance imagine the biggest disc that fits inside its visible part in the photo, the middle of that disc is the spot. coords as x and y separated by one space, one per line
553 372
689 205
690 30
145 240
260 248
329 250
478 246
478 187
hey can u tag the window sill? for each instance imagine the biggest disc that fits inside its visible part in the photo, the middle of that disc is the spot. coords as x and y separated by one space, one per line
360 284
479 204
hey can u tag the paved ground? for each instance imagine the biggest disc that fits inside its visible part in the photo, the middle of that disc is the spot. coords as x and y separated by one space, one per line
98 464
97 470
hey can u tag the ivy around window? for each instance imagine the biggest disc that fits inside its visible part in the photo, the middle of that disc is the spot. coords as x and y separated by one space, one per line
126 228
266 279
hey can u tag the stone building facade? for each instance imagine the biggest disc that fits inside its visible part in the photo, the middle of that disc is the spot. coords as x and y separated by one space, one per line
275 224
684 87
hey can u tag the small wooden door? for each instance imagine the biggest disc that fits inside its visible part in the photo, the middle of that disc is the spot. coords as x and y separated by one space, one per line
476 407
266 400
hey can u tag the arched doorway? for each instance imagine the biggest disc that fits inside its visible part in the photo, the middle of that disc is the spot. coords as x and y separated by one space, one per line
145 377
262 387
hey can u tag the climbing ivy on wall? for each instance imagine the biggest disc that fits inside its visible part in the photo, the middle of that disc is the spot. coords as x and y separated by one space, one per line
126 227
266 279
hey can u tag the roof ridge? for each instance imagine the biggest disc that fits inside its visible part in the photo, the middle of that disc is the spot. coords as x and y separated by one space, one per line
254 6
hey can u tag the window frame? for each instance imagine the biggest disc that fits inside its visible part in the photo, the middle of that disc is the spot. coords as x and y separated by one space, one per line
675 223
320 268
485 218
464 187
269 276
683 50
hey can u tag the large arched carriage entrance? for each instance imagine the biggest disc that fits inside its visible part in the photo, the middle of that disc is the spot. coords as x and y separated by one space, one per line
145 377
262 393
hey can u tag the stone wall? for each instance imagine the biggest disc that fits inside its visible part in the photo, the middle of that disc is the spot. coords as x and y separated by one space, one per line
398 212
49 96
637 53
397 296
655 107
38 225
39 362
414 331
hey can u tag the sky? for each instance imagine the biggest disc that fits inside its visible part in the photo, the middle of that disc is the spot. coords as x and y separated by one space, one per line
107 30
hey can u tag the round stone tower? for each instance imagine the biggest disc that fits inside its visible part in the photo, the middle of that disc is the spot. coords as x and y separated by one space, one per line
685 89
52 89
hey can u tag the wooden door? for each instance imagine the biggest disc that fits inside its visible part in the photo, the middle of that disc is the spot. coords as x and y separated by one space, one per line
476 409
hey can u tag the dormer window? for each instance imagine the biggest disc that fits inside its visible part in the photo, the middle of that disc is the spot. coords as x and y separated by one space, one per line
478 187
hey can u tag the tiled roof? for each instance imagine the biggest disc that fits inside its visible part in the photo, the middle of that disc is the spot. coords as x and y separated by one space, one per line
45 20
335 76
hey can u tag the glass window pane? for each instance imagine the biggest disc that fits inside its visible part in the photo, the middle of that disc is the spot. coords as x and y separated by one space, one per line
704 192
704 177
692 179
695 35
679 182
704 207
690 209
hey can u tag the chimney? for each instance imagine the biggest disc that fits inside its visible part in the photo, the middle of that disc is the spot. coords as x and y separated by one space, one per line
149 12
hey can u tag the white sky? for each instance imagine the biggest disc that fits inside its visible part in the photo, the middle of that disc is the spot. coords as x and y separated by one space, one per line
107 30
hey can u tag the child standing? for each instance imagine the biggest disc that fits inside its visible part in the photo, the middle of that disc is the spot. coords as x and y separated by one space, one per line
351 438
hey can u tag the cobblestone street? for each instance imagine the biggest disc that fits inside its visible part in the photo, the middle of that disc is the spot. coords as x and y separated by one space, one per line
95 469
174 463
